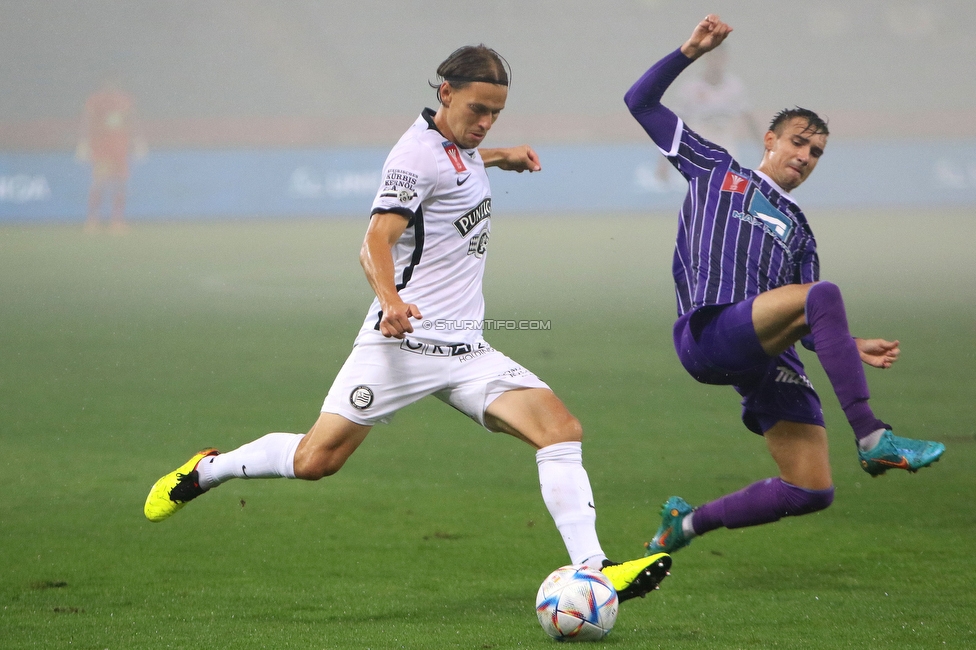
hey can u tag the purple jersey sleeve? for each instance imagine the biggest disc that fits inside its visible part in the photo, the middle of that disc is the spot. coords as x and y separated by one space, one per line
644 99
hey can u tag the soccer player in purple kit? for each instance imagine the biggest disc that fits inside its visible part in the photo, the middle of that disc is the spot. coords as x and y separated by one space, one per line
748 288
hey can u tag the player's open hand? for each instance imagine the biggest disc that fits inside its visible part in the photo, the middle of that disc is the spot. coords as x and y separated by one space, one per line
878 352
396 319
708 35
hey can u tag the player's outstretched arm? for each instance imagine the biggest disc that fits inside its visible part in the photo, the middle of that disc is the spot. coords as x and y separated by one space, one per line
512 159
878 352
644 97
376 257
708 35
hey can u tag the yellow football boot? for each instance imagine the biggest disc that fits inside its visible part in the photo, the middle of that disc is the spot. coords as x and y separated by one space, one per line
637 577
176 489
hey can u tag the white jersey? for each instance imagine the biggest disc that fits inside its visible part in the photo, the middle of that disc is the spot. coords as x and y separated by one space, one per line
439 261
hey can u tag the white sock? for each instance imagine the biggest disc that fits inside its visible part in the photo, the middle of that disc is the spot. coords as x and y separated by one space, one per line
870 441
569 498
687 529
271 456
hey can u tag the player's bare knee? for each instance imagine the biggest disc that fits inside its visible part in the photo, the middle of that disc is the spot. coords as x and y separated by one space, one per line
567 429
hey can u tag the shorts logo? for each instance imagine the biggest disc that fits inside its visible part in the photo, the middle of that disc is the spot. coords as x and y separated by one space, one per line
361 397
467 221
787 376
455 156
473 353
734 183
442 350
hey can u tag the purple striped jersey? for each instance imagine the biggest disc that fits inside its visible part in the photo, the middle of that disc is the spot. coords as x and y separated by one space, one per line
739 234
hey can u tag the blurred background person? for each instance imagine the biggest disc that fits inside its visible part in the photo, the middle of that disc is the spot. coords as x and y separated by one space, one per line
717 107
109 134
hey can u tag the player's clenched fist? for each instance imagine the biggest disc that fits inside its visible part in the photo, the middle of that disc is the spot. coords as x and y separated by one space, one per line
396 319
708 35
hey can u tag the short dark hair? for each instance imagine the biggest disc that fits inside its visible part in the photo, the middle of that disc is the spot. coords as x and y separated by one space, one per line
472 63
815 123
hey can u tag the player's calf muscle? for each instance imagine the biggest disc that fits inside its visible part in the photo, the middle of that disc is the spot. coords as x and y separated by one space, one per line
323 452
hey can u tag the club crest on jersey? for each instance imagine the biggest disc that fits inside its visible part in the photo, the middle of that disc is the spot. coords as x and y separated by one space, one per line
479 244
734 183
467 221
455 155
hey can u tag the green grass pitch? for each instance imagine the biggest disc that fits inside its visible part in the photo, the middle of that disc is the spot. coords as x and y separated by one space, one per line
123 355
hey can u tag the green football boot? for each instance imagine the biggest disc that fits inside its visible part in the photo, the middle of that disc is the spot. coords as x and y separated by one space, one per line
893 452
669 536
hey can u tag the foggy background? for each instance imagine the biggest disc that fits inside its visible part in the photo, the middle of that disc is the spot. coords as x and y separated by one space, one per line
232 73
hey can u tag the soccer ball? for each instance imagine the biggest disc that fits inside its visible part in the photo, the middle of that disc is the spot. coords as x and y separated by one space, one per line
576 603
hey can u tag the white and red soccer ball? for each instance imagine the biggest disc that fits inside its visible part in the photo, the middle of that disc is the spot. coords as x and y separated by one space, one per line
576 603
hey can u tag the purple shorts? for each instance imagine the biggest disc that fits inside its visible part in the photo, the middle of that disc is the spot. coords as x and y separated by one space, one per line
717 344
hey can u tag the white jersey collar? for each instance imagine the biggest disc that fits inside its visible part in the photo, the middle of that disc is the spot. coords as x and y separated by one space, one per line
775 185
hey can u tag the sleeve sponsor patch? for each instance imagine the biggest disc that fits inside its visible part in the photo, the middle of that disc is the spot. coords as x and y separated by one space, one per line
403 196
399 184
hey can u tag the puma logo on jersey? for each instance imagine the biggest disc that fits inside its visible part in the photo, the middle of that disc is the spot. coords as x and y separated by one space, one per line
467 221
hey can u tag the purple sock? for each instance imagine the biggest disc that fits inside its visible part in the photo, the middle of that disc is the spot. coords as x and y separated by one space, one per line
839 356
760 503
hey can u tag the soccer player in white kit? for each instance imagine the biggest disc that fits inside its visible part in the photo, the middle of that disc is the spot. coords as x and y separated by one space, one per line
424 256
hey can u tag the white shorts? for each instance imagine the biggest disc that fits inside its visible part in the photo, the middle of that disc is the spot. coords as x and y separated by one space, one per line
381 376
